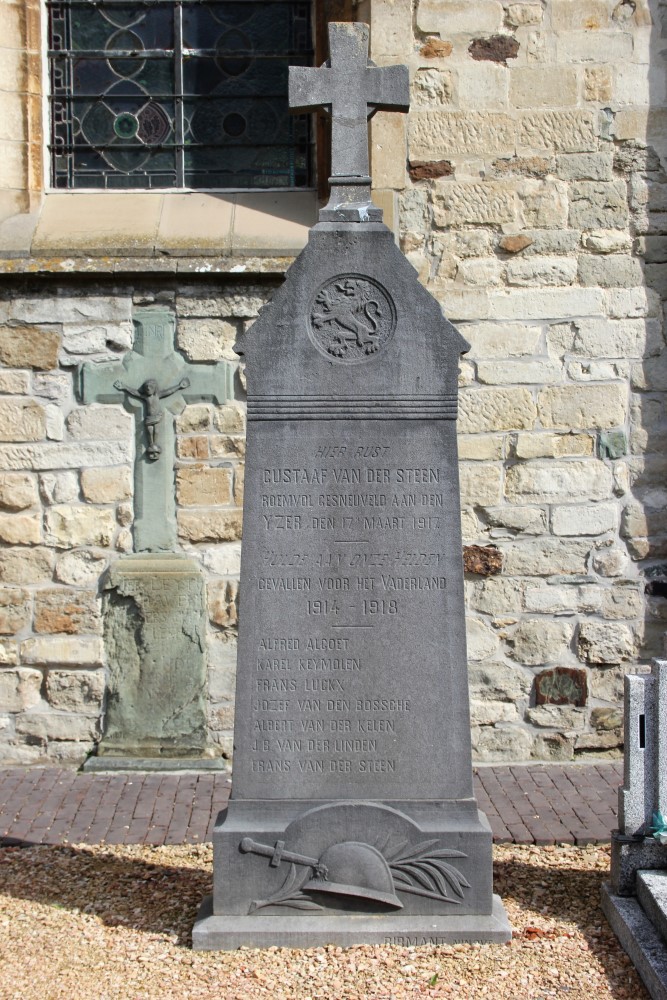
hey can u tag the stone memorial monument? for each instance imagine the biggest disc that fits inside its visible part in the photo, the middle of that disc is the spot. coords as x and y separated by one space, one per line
636 901
155 600
353 818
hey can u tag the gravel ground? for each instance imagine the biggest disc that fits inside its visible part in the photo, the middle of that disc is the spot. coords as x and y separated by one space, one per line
113 923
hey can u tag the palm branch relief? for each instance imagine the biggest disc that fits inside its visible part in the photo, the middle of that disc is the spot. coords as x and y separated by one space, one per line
423 871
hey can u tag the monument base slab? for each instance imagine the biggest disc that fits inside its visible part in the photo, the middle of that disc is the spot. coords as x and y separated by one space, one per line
225 933
640 940
109 763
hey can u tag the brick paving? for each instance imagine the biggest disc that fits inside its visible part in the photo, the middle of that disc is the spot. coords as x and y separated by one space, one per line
525 804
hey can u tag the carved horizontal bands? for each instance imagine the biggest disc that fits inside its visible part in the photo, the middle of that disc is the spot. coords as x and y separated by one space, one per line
352 407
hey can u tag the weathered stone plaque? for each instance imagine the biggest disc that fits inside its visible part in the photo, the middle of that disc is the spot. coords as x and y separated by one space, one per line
352 817
155 638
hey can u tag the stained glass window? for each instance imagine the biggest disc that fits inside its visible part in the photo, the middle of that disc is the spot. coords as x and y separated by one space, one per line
177 93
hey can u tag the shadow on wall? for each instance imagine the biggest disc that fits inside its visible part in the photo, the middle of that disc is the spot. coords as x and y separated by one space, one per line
643 163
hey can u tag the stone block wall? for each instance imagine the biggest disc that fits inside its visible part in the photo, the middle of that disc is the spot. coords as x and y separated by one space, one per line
534 210
66 484
534 207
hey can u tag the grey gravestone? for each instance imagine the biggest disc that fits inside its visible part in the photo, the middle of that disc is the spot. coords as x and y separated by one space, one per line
154 604
353 817
636 901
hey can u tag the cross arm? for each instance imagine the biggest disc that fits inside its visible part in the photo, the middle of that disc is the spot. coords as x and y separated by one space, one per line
210 382
388 88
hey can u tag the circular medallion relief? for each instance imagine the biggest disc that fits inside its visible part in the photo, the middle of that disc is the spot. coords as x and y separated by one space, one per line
351 319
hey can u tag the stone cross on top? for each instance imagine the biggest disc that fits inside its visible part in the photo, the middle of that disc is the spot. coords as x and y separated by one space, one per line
351 89
154 382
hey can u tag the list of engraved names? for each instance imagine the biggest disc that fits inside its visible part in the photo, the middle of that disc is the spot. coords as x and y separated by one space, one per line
350 543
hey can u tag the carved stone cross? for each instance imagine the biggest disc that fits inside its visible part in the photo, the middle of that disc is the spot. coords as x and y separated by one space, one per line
154 382
351 89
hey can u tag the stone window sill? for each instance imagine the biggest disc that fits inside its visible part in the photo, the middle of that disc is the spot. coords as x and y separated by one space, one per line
165 230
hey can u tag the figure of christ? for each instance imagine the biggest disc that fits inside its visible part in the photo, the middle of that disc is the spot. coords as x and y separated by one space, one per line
150 395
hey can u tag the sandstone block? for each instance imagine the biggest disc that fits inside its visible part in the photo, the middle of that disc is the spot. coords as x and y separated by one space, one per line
63 650
210 525
71 309
9 652
488 713
482 85
227 446
596 338
605 642
432 87
239 484
14 610
598 83
528 520
483 410
521 14
484 272
599 740
603 47
435 135
555 482
480 487
497 596
223 603
543 86
507 340
58 487
541 271
48 725
545 557
56 386
632 302
492 743
607 683
194 418
537 641
100 423
480 447
21 420
607 719
585 167
469 526
56 455
612 271
542 242
20 529
610 562
584 519
80 569
19 689
484 203
26 565
498 681
61 610
546 445
556 716
207 339
562 131
75 691
202 486
598 205
106 485
14 383
587 15
482 640
450 17
519 372
546 303
223 560
18 491
29 347
229 419
608 241
583 406
67 526
623 602
550 600
233 300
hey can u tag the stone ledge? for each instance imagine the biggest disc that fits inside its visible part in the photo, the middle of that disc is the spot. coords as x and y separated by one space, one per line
157 225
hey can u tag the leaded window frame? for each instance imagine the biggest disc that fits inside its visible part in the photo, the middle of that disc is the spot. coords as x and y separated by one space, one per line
148 121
